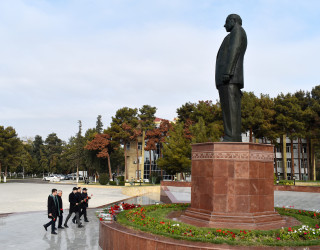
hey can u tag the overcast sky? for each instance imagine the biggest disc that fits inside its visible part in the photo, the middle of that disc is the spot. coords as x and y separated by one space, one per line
67 60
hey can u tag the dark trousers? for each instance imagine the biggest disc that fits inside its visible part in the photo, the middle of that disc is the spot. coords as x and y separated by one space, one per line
69 215
230 99
84 213
60 220
52 223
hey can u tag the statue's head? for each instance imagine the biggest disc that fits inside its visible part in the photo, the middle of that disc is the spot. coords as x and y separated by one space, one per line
231 21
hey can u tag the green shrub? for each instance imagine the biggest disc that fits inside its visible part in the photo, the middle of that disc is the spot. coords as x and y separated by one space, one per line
154 178
114 183
120 178
286 182
103 179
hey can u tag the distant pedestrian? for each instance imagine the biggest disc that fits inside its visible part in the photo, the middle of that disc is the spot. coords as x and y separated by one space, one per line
74 207
85 198
53 208
59 197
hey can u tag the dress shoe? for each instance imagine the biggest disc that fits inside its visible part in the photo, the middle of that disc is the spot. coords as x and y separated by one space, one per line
61 227
80 226
53 232
66 226
45 227
86 220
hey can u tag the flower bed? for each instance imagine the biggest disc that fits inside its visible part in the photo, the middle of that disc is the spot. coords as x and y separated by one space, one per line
153 219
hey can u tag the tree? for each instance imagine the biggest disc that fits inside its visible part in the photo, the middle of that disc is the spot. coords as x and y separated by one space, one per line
10 146
135 134
27 163
37 145
53 149
151 146
251 113
147 117
208 112
176 151
92 162
79 149
121 129
101 143
99 125
288 119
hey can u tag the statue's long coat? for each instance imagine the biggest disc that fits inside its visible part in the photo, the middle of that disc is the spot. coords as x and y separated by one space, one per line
230 57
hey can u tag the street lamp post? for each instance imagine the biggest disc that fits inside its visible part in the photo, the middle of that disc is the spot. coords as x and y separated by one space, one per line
294 180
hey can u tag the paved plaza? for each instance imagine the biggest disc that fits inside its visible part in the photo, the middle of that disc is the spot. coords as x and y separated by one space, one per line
25 197
25 231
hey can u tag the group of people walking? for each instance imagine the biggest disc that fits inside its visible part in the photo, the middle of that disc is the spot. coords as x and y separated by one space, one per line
78 204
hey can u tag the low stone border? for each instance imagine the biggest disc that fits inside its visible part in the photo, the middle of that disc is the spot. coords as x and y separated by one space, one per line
309 189
175 184
114 236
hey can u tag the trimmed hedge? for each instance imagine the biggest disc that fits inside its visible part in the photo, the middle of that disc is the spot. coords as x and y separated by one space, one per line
103 179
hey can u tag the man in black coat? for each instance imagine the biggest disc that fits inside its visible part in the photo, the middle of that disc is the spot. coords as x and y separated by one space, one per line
229 77
59 197
74 207
85 199
53 211
80 201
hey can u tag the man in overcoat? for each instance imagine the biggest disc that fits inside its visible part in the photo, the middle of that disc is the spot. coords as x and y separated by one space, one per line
85 199
74 207
53 208
80 201
229 77
59 197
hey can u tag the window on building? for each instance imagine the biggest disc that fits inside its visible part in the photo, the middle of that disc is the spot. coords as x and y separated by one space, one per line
278 149
128 146
279 164
139 145
304 149
288 163
288 150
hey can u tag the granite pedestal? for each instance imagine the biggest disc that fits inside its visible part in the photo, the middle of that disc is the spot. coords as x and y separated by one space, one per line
232 186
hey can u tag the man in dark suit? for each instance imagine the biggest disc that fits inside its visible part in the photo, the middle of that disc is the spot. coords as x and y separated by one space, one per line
229 77
74 207
53 208
59 197
80 201
85 199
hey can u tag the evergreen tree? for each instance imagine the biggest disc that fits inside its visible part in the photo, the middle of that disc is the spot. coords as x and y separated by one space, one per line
251 113
10 146
121 129
99 125
53 149
176 151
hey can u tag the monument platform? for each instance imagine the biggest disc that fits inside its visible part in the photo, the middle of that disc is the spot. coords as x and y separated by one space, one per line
232 186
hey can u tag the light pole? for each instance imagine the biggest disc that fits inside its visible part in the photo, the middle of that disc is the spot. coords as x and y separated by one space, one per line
294 180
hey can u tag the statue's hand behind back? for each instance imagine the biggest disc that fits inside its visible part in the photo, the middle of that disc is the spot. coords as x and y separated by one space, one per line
226 78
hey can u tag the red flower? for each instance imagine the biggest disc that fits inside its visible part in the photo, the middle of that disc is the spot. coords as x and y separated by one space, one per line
100 219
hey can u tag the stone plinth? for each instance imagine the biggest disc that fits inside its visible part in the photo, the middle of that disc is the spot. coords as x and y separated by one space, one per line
232 186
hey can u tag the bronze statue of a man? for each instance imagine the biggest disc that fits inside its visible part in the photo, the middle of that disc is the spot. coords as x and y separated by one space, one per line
229 77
